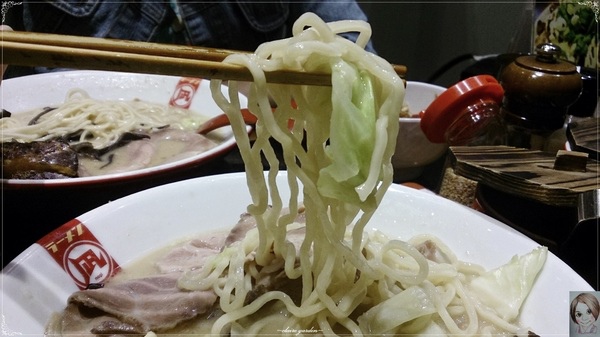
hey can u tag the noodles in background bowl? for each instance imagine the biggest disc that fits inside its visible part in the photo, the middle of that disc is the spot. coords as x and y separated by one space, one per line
337 156
98 129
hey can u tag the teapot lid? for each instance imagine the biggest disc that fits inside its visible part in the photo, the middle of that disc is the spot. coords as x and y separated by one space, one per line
546 60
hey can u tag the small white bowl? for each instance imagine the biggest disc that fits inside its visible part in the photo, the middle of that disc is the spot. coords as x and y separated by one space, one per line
413 150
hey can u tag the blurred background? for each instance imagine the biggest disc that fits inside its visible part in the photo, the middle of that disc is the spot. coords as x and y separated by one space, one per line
426 36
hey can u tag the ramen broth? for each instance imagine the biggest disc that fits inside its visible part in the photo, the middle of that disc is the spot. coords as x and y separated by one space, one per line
162 145
146 266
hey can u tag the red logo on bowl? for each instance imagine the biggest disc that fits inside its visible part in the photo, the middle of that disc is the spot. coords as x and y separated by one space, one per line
75 248
184 92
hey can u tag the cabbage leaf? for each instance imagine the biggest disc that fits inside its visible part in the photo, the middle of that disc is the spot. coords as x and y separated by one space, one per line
352 135
505 288
412 303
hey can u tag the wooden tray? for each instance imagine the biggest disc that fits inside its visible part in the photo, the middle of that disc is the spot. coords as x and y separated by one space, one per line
583 136
524 172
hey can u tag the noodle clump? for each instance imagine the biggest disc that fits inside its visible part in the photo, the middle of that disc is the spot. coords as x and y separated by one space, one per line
99 123
337 144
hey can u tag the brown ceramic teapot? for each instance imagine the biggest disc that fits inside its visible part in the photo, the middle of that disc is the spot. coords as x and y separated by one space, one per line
538 90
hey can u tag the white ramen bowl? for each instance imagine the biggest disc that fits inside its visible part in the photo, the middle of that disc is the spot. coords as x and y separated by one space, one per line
38 206
23 94
39 281
413 150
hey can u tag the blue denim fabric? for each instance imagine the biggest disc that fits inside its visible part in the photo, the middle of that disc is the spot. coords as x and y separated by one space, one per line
238 25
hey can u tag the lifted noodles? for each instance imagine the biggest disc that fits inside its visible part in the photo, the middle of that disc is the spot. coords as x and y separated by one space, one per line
339 149
306 266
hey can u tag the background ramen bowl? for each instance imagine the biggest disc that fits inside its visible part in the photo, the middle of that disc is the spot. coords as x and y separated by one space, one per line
413 150
37 206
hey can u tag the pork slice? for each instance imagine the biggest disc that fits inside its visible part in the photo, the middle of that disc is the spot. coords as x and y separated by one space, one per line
191 255
270 280
241 228
191 143
134 307
248 222
142 305
432 252
139 155
76 321
156 303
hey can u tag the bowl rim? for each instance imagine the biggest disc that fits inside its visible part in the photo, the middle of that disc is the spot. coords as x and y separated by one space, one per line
424 85
226 145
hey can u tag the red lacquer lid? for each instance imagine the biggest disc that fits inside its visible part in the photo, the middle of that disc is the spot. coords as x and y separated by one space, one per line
453 103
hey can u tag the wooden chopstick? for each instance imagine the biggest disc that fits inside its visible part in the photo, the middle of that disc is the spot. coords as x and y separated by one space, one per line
124 46
79 52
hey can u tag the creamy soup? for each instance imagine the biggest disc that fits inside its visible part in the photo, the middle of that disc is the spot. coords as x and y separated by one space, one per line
162 147
112 136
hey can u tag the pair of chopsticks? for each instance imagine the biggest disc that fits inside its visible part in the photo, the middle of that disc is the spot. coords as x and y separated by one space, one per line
78 52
